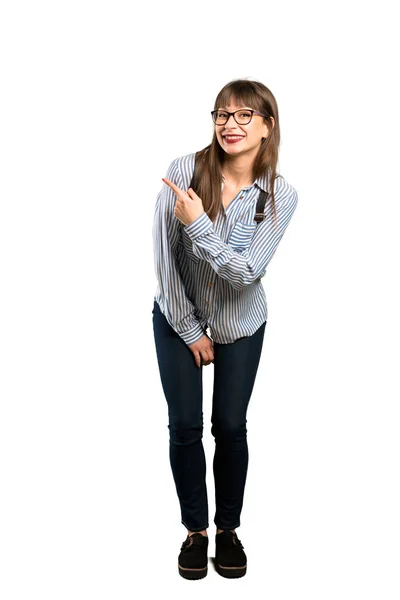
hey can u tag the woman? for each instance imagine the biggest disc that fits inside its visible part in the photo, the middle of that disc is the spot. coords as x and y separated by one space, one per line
211 250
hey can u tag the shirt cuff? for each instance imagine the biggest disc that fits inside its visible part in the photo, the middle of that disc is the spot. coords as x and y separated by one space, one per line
192 335
201 225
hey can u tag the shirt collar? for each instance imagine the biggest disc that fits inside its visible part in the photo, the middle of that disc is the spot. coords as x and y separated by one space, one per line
262 182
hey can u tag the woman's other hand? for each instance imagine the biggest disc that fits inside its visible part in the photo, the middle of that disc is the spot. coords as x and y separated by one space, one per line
203 350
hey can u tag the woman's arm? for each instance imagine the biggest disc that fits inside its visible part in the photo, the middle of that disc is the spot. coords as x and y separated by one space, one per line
242 269
179 311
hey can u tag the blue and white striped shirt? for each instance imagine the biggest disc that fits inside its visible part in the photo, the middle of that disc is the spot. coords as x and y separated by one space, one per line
209 273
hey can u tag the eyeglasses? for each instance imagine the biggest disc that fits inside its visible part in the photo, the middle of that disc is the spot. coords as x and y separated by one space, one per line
220 117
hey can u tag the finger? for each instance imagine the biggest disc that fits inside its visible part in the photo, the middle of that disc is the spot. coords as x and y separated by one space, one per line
192 195
174 187
210 350
213 358
206 357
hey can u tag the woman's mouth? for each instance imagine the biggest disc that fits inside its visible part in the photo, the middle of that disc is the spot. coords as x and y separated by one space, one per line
232 139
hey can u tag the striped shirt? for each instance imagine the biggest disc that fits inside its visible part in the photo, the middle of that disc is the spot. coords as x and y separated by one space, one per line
209 273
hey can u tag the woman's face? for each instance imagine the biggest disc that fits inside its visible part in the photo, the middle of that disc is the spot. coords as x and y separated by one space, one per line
252 133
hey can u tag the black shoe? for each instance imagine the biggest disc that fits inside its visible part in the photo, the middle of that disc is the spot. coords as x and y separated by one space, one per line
193 559
230 559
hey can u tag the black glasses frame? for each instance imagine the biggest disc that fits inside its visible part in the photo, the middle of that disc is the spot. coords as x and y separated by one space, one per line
250 110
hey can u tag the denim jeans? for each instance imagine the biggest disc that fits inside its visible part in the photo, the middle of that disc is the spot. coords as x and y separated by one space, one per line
235 369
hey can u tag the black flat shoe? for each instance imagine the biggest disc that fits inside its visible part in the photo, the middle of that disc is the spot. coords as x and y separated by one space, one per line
193 559
230 558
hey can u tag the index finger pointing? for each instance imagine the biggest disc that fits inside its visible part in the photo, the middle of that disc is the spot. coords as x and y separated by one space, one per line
171 185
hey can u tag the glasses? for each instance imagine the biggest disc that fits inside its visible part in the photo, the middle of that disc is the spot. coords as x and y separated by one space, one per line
242 116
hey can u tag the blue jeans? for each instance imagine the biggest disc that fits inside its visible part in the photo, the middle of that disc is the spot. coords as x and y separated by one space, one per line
235 369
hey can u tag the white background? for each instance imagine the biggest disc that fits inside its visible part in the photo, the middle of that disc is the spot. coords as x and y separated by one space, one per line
97 99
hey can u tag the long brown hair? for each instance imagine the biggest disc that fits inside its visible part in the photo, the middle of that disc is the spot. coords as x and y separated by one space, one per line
209 160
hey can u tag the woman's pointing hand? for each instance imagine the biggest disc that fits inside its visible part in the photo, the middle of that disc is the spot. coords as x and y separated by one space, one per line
188 206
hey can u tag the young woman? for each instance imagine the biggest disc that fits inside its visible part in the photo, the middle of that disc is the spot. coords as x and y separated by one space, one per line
212 245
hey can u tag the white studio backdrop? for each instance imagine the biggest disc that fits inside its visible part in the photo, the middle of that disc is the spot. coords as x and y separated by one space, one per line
97 100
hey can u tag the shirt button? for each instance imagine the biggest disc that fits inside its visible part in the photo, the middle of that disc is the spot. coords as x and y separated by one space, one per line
210 284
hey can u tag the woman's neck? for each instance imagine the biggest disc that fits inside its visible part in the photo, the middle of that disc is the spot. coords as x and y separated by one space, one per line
237 172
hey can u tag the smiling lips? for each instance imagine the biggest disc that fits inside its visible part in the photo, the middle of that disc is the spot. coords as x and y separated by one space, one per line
232 139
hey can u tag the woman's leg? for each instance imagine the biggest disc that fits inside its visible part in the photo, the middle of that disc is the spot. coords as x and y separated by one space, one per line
182 383
235 369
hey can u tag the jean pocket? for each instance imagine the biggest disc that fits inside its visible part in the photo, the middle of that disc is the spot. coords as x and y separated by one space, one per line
241 235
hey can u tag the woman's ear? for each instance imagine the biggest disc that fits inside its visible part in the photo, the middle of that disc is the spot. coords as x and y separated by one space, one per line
268 128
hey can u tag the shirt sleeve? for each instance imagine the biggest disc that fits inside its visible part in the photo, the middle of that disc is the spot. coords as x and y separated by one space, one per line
245 267
178 310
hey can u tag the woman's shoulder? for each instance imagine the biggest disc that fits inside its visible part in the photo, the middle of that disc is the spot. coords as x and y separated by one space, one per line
186 161
185 165
283 190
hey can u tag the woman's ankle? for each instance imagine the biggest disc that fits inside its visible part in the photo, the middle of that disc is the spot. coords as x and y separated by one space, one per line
204 532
